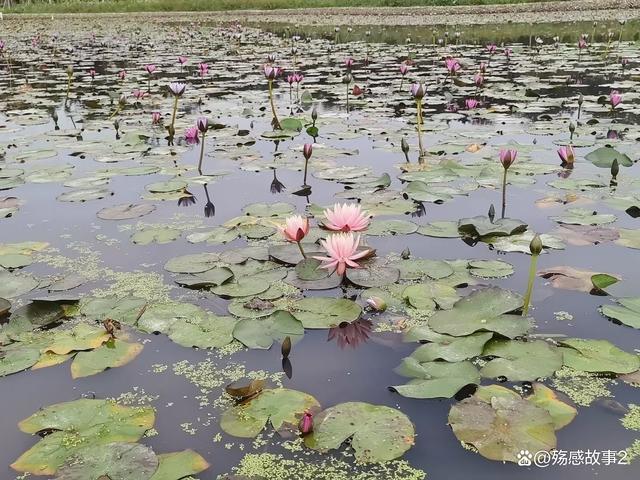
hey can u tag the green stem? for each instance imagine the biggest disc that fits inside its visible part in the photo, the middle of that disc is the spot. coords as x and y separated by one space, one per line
116 111
419 119
532 276
201 155
68 86
301 250
347 98
175 111
504 192
304 181
276 122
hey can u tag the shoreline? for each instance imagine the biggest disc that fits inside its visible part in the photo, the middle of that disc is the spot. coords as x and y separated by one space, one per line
545 12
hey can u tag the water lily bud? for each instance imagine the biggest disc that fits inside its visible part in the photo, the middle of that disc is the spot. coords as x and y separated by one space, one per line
572 127
377 304
306 423
314 113
418 91
615 168
535 247
406 254
286 347
404 145
69 71
116 124
54 116
580 100
307 150
203 124
492 213
347 78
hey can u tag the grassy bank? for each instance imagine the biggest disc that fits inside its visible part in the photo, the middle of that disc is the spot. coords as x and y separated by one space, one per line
105 6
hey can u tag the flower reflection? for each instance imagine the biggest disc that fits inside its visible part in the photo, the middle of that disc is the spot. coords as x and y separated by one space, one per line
276 185
187 199
351 334
209 208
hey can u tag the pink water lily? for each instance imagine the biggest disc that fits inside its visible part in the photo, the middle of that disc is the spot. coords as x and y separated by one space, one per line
453 66
567 155
306 423
491 48
150 68
478 80
191 135
296 228
122 74
182 59
582 43
342 250
507 157
471 103
417 90
92 73
156 117
615 98
348 63
404 69
177 88
507 53
271 72
347 217
139 94
203 68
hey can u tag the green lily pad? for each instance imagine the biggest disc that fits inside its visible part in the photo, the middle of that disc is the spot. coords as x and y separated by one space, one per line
629 237
79 423
603 157
193 263
262 332
125 310
440 230
13 285
320 312
241 287
582 216
265 210
109 355
84 194
378 433
416 269
280 407
116 461
521 361
430 295
483 310
158 235
452 349
373 274
16 357
391 227
177 465
435 379
504 426
561 413
490 268
482 226
212 277
166 186
597 356
210 331
15 260
627 311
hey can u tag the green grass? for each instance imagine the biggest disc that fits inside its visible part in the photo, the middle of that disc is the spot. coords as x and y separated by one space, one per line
96 6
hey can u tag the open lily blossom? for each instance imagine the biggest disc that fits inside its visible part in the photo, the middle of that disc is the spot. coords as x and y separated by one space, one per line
191 135
346 217
452 65
348 63
478 79
471 103
150 68
177 89
156 117
491 48
182 60
271 72
296 228
203 68
342 252
122 74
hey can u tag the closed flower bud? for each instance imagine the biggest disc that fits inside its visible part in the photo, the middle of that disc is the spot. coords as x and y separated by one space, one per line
615 168
404 145
306 423
535 247
307 150
377 304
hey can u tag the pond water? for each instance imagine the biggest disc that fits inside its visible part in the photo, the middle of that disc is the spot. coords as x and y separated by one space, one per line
64 165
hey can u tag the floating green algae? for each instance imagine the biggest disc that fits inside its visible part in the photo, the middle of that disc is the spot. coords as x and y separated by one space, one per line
277 467
631 420
582 387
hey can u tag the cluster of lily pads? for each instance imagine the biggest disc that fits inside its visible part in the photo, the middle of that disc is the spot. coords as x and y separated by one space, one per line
275 276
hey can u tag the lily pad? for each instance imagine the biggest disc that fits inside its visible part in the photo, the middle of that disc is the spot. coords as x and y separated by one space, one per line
435 379
177 465
597 356
378 433
627 311
561 413
482 226
109 355
373 275
490 268
280 407
452 349
603 157
483 310
320 312
126 211
521 361
262 332
582 216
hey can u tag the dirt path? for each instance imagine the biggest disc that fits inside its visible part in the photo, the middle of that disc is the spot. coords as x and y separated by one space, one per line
577 10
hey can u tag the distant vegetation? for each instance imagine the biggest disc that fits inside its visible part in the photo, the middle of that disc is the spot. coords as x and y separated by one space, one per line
98 6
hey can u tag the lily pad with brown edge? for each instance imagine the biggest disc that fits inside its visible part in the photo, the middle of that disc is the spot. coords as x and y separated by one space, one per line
81 336
115 461
378 433
562 413
482 226
483 310
322 312
584 235
177 465
280 407
627 311
597 356
75 425
5 306
569 278
435 379
126 211
262 332
241 390
520 361
109 355
503 426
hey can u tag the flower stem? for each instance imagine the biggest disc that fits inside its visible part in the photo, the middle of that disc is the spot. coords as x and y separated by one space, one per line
201 155
175 111
532 276
419 119
301 250
276 122
504 192
306 165
347 98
